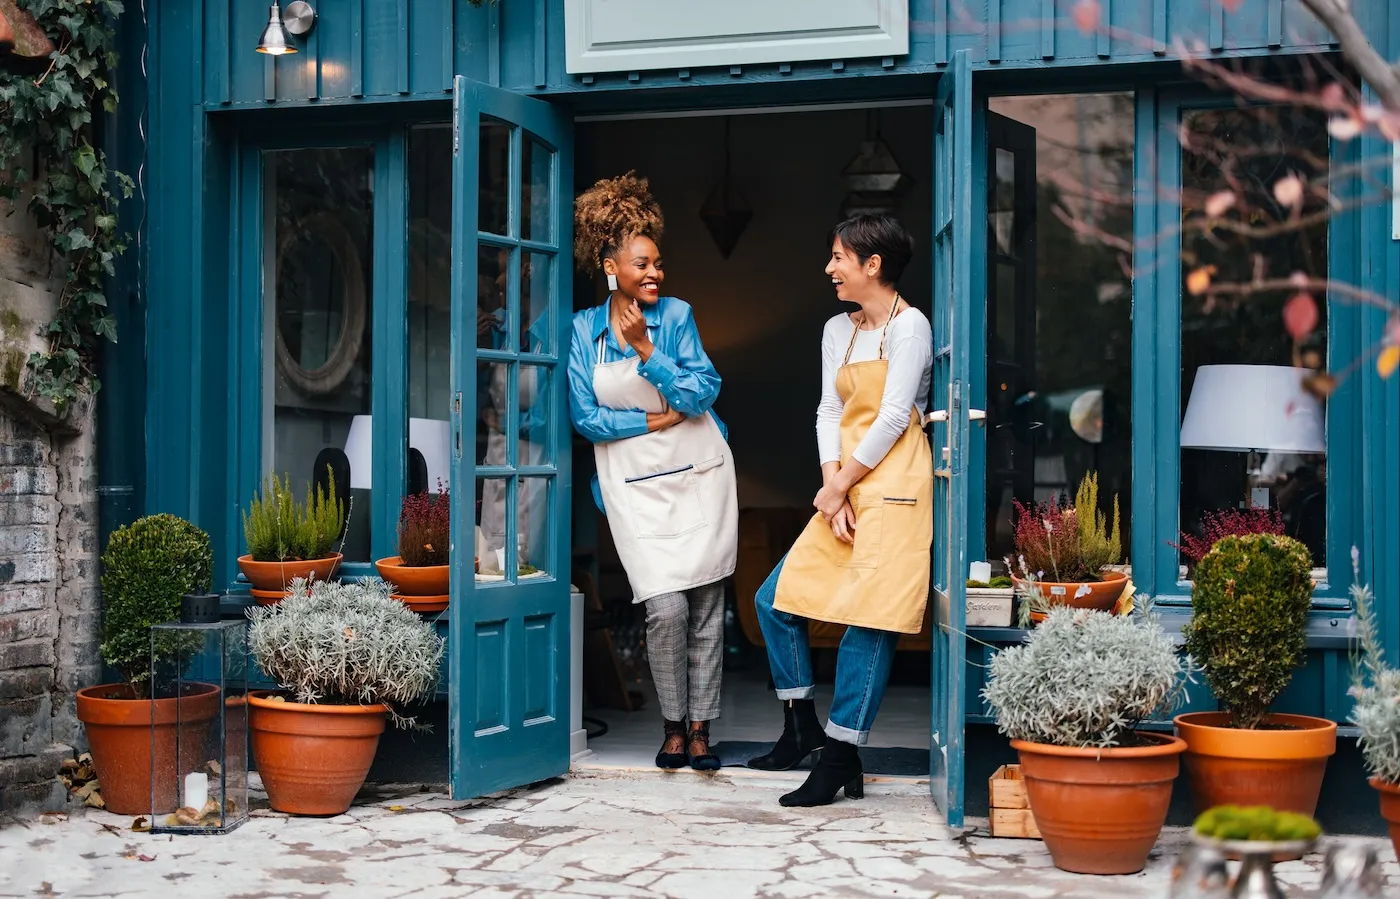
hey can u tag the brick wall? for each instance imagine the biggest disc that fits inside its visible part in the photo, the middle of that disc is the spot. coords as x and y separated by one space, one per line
49 613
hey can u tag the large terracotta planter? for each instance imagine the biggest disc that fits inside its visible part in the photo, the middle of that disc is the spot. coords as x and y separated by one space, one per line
422 588
1102 595
1279 768
1100 810
1390 809
271 579
313 758
119 733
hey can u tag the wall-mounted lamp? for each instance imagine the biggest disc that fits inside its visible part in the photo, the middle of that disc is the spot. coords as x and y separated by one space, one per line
300 19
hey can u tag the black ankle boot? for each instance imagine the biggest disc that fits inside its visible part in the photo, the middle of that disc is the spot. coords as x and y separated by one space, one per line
802 736
838 767
666 759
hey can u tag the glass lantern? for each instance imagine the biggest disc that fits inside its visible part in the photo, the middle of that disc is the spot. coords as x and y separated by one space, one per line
199 728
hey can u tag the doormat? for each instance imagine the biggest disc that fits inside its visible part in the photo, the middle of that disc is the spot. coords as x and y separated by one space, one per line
885 761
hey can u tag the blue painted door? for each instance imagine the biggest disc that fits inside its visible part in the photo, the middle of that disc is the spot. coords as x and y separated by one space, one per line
952 305
511 271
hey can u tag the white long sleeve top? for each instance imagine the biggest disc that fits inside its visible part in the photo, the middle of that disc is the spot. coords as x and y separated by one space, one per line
909 349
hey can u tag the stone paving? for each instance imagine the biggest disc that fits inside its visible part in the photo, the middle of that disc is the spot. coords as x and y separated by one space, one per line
594 834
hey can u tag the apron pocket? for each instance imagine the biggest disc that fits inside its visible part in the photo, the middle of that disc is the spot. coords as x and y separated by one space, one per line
870 515
667 503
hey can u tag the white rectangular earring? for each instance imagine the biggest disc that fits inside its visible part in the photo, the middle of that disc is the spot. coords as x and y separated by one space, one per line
612 282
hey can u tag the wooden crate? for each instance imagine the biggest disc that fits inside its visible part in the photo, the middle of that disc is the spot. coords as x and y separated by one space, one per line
1010 808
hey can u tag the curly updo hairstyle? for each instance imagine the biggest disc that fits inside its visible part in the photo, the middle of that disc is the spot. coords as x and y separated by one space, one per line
611 213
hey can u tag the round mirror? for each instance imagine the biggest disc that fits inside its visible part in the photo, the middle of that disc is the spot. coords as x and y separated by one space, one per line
320 304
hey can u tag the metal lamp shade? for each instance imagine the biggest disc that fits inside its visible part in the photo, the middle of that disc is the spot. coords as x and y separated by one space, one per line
1238 408
274 40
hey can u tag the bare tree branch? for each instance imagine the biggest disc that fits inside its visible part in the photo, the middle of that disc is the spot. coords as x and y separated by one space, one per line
1373 68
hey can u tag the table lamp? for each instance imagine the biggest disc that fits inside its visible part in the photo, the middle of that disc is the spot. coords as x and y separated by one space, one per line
1253 408
430 436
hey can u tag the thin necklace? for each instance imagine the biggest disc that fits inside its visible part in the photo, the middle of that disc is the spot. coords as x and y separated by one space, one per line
888 315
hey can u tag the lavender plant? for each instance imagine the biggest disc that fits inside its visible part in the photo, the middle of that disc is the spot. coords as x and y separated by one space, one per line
347 644
1086 678
1375 687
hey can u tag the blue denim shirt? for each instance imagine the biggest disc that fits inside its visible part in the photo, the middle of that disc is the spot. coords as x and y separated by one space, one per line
678 368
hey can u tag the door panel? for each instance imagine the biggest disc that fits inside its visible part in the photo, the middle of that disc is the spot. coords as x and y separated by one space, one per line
1010 329
952 303
509 611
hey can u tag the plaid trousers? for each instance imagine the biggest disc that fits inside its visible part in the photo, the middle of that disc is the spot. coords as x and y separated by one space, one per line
685 647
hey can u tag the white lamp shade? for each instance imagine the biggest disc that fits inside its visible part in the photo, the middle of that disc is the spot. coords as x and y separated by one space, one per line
430 436
1239 408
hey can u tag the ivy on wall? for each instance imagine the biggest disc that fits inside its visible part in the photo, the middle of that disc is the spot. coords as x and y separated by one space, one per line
47 153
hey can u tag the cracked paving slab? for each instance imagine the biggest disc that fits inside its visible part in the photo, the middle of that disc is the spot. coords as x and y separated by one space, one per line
642 835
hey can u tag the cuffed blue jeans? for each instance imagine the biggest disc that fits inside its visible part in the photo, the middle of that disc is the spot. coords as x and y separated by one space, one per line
862 665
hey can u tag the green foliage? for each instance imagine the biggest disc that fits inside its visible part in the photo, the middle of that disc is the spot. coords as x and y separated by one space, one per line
1375 687
71 192
347 644
1099 546
1257 822
1086 678
149 564
277 528
1249 618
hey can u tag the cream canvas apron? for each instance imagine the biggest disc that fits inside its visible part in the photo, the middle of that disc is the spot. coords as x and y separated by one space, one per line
882 581
670 495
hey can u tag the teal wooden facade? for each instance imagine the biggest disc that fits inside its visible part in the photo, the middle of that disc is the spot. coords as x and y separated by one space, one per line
180 410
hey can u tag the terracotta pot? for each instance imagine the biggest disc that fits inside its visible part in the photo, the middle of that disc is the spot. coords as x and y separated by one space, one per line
414 580
119 732
1102 595
1100 810
275 576
1282 769
1390 809
313 758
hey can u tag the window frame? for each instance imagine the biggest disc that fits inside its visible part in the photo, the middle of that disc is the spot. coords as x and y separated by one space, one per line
1156 332
255 226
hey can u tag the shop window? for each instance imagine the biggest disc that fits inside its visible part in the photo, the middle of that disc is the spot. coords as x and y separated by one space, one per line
317 315
1059 304
1253 440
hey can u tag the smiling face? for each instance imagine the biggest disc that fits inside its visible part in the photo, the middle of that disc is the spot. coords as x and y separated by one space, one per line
852 277
638 269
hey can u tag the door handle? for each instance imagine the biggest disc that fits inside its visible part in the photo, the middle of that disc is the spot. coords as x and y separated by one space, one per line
941 415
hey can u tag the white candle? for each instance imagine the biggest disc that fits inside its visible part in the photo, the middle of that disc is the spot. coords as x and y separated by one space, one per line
196 790
980 572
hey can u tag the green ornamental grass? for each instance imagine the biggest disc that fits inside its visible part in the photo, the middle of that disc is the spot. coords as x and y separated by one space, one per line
277 528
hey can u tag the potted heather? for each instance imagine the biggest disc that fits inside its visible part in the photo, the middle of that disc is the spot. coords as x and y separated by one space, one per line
348 657
147 566
1216 526
288 540
1249 611
1071 698
1376 714
1070 551
419 573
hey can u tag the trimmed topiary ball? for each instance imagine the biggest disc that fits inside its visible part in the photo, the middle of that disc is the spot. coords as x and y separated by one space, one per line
1249 620
149 564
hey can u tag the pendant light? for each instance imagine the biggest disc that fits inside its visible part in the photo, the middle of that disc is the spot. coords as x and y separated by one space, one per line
873 178
725 213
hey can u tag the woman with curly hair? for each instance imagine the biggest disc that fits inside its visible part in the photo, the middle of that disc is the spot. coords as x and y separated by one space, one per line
641 390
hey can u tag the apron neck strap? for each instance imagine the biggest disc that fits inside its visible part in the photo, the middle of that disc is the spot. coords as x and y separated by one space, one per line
603 341
894 307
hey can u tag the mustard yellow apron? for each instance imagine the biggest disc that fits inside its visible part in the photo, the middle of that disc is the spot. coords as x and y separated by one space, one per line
882 580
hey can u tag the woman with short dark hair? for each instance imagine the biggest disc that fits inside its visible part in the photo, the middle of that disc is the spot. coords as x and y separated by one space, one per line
863 559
